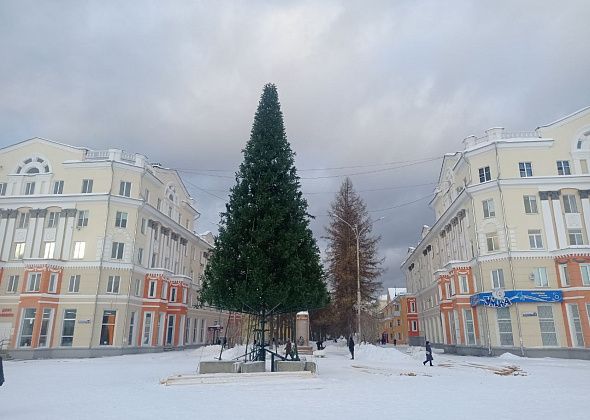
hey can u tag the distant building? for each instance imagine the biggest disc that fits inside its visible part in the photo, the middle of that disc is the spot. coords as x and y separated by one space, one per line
98 254
506 265
399 320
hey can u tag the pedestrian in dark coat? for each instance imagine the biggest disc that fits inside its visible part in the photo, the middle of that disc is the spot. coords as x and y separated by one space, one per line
288 350
428 354
1 372
351 347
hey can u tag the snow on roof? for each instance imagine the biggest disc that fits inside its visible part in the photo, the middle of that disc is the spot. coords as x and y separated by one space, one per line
395 291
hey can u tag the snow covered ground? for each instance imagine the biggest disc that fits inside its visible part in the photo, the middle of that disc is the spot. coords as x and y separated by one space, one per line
379 383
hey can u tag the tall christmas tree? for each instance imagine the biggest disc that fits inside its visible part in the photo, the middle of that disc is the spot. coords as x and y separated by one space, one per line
265 259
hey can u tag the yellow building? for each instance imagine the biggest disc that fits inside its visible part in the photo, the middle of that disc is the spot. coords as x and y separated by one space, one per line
98 254
506 265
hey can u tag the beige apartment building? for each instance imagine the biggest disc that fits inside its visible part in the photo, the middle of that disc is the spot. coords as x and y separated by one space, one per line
98 254
506 265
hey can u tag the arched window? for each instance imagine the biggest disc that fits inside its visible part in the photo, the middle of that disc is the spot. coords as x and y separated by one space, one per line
32 166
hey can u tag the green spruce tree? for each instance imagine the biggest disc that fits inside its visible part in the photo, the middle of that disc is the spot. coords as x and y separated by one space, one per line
265 259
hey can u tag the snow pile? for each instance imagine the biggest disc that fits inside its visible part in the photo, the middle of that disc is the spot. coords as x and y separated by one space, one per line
509 356
370 352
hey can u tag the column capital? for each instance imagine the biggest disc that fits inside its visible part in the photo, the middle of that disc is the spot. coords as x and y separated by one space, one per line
554 195
584 194
544 195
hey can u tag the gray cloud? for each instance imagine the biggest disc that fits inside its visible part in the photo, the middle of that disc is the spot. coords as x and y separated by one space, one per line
359 83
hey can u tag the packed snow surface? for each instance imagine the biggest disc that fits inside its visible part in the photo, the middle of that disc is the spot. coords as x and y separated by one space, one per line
382 382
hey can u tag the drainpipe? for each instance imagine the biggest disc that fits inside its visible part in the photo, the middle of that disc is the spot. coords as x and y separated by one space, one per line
101 262
509 249
476 257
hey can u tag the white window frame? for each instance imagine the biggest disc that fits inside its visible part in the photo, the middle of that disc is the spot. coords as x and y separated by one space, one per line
74 283
563 167
117 250
131 337
413 325
103 324
47 325
30 188
485 174
58 187
564 275
121 219
505 321
79 250
49 250
113 284
468 322
497 277
31 320
53 219
3 186
535 239
530 201
63 325
125 188
82 219
147 334
575 325
19 250
12 286
87 185
34 281
548 338
152 289
23 220
140 256
137 287
492 242
585 274
525 169
489 210
463 284
570 205
173 294
541 279
575 237
52 286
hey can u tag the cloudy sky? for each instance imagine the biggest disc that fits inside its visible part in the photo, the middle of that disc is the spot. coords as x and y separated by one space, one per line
383 88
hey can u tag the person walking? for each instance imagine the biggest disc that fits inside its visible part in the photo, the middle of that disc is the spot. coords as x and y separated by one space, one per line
288 350
351 347
428 354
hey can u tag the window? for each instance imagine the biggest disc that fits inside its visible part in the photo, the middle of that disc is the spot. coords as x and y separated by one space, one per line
170 330
125 188
19 250
484 174
159 203
121 219
452 288
547 325
52 287
79 248
137 287
117 250
414 326
585 272
147 195
143 223
154 256
147 328
45 324
530 204
34 282
82 218
463 286
113 284
12 284
52 219
563 167
140 255
27 326
131 338
69 324
535 239
3 188
505 326
49 250
87 186
29 188
173 294
573 314
58 187
575 236
23 220
74 285
107 331
164 294
469 327
540 274
152 289
492 241
488 208
526 169
569 203
498 279
564 275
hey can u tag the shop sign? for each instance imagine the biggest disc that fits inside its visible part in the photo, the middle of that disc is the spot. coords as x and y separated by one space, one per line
529 314
6 313
502 299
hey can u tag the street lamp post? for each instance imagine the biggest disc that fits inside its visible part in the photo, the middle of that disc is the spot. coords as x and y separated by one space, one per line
356 232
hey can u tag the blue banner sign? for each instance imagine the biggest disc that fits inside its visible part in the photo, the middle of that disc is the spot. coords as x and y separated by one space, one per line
508 297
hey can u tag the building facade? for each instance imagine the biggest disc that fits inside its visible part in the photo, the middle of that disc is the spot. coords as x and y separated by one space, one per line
399 320
506 265
98 254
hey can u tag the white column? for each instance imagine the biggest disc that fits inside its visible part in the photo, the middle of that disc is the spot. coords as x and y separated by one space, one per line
37 243
69 231
182 330
584 195
3 233
150 249
548 221
559 224
8 238
59 235
31 233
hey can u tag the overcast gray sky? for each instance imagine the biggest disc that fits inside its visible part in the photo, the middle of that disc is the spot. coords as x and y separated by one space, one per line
360 83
